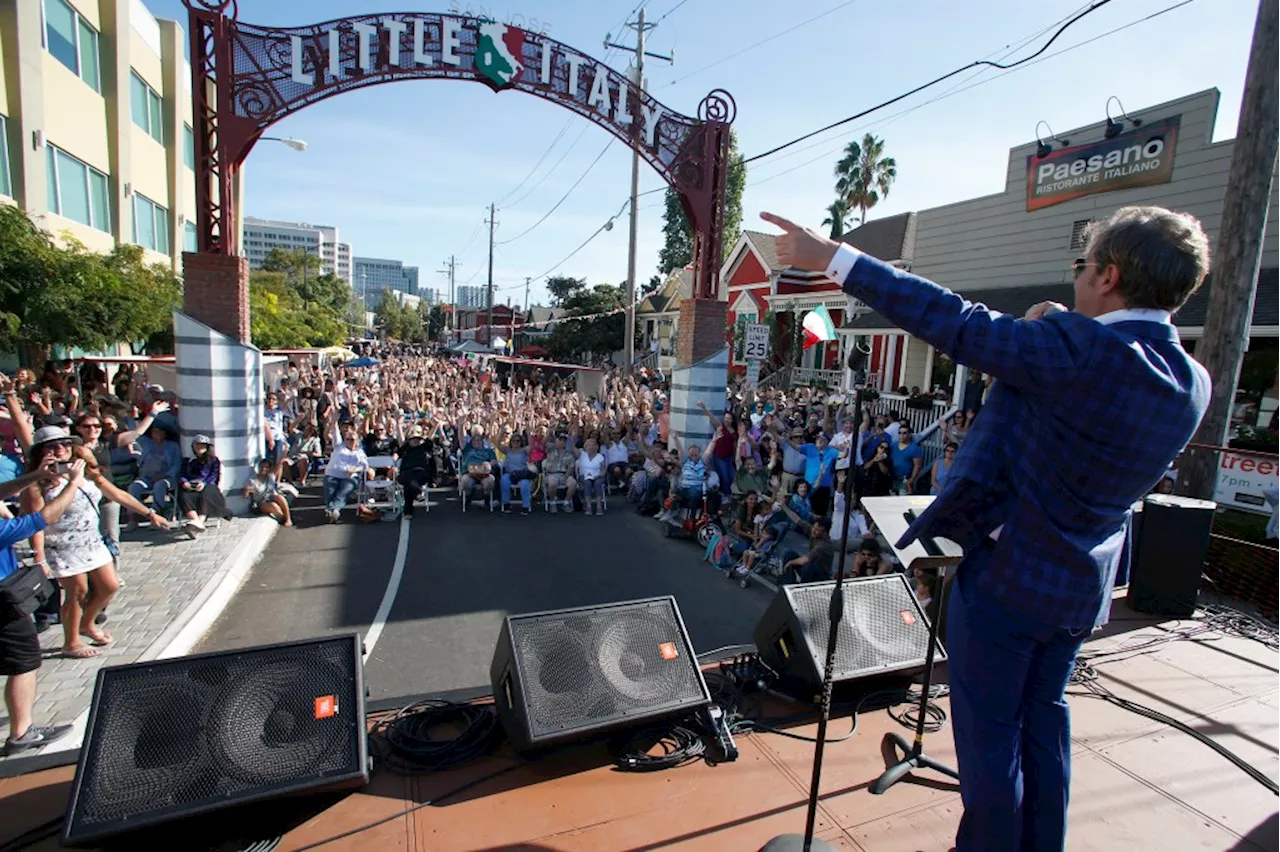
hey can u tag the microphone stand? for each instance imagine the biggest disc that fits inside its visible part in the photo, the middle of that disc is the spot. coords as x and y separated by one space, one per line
795 842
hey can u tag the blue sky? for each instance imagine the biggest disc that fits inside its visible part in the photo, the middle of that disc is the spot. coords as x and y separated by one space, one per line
407 170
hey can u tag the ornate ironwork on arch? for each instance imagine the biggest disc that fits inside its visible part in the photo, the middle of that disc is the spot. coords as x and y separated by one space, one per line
247 77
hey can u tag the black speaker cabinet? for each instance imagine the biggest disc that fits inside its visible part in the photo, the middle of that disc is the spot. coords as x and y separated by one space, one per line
1171 546
576 673
884 630
176 738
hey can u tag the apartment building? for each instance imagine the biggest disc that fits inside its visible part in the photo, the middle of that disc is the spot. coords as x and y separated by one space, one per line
96 140
263 235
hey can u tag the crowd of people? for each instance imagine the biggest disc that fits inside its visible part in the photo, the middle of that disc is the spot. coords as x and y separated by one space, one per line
423 420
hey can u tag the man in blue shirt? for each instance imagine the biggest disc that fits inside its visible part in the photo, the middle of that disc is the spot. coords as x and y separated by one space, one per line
19 643
907 460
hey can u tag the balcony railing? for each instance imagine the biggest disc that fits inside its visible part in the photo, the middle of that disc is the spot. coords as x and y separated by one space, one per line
921 419
801 376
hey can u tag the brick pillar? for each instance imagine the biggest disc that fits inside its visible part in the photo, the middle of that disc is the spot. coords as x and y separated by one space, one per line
703 330
216 292
701 373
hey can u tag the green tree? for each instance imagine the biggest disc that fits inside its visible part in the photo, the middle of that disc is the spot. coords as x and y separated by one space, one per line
278 320
435 322
864 175
677 245
600 336
562 288
837 218
68 295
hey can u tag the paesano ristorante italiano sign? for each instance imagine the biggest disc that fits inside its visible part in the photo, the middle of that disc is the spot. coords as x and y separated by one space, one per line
1142 157
498 54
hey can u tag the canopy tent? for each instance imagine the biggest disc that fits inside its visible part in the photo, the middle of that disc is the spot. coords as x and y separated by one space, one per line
590 380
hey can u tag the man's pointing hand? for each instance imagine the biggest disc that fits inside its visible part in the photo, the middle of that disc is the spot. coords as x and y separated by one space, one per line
800 247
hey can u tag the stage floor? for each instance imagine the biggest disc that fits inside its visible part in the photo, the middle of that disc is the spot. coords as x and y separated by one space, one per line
1136 783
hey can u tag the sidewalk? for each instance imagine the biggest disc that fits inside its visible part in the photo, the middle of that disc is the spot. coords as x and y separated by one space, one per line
172 589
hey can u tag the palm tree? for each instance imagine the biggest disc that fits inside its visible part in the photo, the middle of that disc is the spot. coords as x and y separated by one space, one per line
837 218
864 174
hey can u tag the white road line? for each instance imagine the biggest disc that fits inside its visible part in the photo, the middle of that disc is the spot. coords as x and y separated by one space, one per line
389 596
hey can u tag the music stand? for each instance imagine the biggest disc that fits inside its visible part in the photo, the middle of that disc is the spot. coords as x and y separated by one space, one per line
892 516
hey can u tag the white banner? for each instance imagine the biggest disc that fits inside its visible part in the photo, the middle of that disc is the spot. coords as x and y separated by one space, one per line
1242 480
753 373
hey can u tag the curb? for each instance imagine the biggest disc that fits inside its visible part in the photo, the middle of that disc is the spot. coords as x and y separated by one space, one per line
176 640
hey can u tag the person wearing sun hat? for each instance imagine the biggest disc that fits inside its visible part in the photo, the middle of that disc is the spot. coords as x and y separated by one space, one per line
199 495
73 549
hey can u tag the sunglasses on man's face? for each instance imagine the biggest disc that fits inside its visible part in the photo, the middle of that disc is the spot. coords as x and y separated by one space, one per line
1080 264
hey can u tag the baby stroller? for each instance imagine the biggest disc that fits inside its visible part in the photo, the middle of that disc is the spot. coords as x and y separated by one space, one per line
767 562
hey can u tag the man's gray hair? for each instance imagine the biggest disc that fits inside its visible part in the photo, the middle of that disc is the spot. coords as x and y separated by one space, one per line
1162 256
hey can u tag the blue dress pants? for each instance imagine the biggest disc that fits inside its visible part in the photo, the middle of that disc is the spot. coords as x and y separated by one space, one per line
1008 673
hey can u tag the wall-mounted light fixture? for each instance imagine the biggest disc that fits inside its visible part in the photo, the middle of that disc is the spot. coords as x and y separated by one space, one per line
37 139
1115 128
128 189
1043 147
182 219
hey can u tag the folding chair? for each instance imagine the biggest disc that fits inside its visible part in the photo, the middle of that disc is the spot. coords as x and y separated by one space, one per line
382 495
466 498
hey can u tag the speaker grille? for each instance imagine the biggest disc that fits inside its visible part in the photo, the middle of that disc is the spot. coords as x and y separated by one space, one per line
183 736
586 668
883 629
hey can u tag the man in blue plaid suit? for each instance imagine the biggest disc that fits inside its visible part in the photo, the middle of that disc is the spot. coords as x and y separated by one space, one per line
1088 409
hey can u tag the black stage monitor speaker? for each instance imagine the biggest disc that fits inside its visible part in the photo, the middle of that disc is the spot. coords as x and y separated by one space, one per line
1169 552
575 673
175 738
884 630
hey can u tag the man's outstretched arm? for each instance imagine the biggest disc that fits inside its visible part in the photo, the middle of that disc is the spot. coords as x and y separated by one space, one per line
1032 355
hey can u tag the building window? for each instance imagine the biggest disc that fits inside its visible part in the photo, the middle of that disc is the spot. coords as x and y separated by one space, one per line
72 41
190 242
150 224
77 191
1078 229
6 187
189 146
147 107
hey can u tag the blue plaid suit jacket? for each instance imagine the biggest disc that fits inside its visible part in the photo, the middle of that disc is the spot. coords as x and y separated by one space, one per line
1082 421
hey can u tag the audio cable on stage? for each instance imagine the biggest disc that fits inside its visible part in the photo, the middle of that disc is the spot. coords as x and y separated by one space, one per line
409 747
1208 620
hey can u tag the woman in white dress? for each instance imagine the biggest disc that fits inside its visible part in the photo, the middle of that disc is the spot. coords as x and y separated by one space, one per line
72 550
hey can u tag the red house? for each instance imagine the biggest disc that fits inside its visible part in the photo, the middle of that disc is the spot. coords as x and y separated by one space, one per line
755 284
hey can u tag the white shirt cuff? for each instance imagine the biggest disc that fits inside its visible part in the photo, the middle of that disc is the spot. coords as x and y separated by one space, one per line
842 263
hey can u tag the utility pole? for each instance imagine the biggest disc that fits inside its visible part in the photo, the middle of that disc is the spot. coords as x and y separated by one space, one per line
526 297
641 28
489 322
1239 252
451 271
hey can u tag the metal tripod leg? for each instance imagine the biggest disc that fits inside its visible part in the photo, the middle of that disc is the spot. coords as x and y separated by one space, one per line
913 756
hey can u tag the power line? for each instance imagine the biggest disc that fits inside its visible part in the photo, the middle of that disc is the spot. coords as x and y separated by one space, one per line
961 88
608 54
546 215
763 41
976 64
669 11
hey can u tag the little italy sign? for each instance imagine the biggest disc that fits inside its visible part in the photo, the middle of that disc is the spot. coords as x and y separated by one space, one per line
246 77
500 55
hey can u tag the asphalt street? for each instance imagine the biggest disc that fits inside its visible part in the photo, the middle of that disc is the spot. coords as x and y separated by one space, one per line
463 573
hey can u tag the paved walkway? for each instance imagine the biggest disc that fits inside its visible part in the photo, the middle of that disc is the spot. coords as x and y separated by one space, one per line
167 579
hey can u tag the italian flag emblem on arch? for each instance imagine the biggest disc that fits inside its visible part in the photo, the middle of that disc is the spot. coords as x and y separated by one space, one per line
818 327
498 52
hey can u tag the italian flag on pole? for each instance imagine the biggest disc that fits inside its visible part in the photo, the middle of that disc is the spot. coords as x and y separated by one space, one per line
818 327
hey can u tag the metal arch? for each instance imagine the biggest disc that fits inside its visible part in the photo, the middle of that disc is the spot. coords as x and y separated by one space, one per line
243 82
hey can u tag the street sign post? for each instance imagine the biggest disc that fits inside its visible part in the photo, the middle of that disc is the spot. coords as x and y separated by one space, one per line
756 345
755 348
